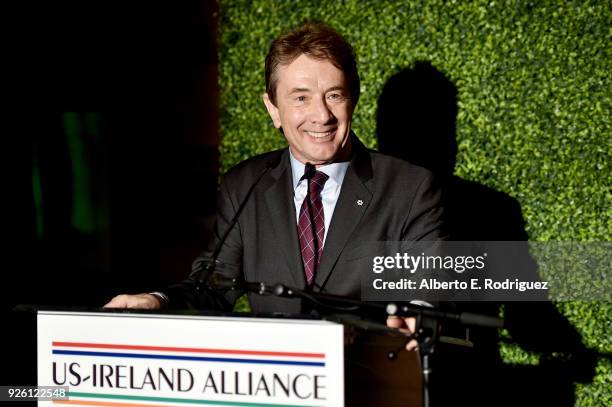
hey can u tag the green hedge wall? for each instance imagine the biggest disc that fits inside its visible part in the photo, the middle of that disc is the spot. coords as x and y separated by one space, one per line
534 107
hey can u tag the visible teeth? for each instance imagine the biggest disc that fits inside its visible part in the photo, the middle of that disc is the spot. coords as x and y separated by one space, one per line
317 134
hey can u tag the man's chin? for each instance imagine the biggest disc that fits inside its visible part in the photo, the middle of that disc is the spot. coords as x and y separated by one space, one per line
322 158
329 156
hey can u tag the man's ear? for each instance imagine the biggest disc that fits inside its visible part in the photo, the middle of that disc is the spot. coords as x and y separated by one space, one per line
272 111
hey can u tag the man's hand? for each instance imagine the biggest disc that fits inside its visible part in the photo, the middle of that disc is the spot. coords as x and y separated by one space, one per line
139 301
405 325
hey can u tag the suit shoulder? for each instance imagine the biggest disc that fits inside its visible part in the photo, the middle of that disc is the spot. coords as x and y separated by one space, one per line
394 167
251 167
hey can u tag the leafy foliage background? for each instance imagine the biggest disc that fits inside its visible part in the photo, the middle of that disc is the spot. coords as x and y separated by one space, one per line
534 107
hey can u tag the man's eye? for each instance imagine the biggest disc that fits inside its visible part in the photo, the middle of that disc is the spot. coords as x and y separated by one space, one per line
300 98
335 96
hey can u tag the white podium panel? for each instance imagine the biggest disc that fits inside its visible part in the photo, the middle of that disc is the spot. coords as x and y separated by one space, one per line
136 360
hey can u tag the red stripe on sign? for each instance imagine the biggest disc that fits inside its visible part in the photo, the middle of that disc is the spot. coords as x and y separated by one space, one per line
190 350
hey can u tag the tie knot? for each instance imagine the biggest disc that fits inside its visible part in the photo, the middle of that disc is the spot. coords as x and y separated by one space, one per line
317 182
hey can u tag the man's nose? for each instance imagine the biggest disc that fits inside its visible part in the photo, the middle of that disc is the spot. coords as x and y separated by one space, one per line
320 111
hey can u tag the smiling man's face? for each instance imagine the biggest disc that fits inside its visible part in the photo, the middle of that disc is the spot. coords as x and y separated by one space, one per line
314 109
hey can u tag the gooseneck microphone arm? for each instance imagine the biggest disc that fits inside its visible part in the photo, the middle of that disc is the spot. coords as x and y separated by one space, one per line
207 268
346 304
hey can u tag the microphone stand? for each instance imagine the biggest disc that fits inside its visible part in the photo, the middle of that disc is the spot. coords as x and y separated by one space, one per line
427 319
203 274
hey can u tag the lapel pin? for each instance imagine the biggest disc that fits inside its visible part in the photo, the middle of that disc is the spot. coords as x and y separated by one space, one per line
359 202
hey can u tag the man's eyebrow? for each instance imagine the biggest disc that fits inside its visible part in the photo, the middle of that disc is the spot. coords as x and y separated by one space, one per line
333 88
298 90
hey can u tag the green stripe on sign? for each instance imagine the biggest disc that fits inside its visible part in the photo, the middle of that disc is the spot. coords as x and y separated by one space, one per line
178 400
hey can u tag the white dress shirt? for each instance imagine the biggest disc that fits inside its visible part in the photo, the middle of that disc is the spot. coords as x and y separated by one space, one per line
329 194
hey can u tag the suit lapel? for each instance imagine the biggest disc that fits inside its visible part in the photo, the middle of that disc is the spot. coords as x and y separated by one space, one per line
279 200
352 203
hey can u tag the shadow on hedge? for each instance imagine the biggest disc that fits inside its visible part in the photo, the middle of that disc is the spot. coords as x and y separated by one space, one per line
416 119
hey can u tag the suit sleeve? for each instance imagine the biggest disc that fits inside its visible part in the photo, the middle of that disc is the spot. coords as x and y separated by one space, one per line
185 295
425 223
425 217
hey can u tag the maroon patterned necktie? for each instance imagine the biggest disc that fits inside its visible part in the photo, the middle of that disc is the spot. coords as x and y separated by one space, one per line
311 224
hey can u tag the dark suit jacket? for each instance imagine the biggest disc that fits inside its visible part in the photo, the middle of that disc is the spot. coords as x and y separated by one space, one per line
399 201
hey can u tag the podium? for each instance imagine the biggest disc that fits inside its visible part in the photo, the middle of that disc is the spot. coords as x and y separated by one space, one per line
143 359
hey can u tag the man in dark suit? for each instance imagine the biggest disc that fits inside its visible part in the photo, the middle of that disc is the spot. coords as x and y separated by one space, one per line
320 200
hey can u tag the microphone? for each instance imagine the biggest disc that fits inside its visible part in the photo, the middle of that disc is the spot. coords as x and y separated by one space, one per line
465 318
208 269
217 282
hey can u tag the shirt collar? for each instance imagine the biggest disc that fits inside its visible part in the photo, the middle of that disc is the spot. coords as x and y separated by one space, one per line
335 171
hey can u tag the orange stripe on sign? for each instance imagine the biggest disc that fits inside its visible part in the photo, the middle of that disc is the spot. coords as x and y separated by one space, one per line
190 350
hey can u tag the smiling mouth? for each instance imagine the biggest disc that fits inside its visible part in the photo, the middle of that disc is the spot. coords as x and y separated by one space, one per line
320 134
